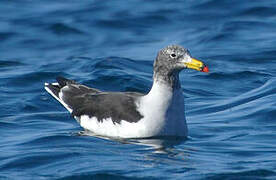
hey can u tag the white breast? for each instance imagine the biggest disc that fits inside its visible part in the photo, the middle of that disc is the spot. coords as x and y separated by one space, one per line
163 111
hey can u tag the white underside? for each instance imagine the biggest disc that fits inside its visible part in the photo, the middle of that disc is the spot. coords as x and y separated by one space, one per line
162 110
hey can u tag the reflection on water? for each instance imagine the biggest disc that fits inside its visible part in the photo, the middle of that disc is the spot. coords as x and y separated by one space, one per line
156 144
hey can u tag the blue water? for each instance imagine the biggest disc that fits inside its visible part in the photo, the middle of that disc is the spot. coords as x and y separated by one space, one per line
111 45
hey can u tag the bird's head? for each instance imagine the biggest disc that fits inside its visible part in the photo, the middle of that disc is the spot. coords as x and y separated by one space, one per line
174 58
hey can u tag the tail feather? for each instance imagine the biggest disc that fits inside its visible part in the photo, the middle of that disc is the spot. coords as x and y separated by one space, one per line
68 92
64 82
55 89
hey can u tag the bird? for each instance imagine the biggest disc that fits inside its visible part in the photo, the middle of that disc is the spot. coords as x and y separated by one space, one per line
160 112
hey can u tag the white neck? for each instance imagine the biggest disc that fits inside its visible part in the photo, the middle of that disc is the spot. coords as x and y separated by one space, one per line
161 93
163 109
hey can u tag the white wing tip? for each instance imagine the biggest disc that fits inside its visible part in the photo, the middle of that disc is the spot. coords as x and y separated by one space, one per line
55 84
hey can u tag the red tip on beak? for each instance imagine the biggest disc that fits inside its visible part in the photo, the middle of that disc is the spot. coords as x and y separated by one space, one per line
205 69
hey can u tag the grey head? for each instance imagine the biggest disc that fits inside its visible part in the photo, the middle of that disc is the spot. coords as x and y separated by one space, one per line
170 61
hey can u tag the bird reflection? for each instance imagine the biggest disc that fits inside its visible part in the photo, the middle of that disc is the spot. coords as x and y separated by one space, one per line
160 144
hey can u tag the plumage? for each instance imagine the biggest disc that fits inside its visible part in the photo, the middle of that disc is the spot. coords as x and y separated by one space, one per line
130 114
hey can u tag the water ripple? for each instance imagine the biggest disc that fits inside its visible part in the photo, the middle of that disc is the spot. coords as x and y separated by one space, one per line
111 46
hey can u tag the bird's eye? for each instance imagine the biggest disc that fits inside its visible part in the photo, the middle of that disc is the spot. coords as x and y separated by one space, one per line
173 55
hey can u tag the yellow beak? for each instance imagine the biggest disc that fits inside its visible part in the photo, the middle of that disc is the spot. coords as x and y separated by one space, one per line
197 65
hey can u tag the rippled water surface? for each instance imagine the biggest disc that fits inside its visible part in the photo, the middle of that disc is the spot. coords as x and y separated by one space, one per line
111 45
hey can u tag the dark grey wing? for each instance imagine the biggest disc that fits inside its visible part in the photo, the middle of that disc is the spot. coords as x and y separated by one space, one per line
81 100
117 106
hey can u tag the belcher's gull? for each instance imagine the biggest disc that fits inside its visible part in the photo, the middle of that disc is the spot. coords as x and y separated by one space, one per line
130 114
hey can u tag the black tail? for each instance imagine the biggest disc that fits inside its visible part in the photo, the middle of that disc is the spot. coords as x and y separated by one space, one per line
63 81
55 88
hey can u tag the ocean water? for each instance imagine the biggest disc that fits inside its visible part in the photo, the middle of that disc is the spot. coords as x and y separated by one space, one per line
111 45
